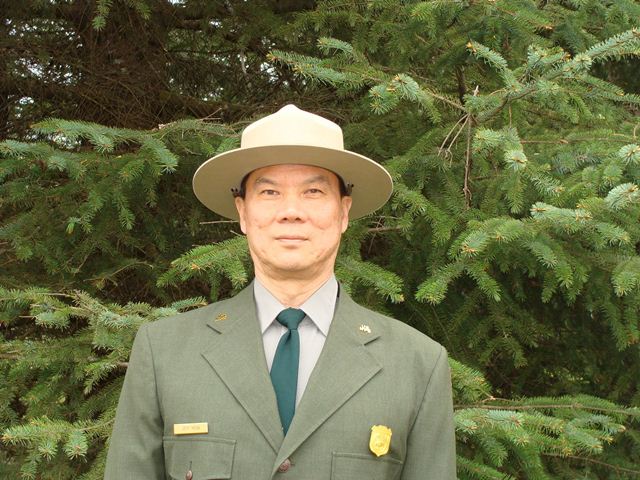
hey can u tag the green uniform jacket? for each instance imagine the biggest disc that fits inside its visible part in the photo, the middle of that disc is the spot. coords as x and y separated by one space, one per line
208 366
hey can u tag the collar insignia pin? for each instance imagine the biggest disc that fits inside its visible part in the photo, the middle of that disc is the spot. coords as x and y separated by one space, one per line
221 317
365 328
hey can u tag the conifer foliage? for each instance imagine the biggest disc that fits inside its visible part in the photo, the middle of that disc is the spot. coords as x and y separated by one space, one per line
511 130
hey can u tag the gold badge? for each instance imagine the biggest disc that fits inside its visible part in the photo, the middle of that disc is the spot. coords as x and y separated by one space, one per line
221 317
190 428
380 440
365 328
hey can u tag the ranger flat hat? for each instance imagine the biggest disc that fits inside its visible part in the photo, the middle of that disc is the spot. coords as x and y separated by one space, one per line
291 136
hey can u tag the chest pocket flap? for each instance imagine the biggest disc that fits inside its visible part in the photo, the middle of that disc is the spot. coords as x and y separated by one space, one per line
208 458
347 466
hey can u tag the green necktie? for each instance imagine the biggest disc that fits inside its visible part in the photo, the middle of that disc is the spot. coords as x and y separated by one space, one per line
284 370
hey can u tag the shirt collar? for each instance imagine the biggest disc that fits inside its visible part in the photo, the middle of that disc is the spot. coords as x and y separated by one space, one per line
319 307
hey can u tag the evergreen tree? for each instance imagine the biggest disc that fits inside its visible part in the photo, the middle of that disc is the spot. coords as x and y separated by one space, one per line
512 236
516 203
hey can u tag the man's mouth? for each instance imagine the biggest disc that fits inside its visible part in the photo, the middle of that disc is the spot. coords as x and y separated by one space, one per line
291 238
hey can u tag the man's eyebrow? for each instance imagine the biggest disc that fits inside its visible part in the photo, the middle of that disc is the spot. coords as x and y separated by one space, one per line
318 179
265 180
315 179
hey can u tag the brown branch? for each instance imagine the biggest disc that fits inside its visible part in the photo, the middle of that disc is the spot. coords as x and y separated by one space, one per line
444 142
17 356
45 10
199 108
292 6
576 406
564 141
217 221
436 96
467 166
445 100
32 87
98 426
383 229
9 356
191 12
111 275
592 460
462 87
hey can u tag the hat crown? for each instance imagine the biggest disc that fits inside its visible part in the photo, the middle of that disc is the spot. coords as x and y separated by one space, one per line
292 126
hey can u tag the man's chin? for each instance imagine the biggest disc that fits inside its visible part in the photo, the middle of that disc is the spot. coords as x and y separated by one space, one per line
293 269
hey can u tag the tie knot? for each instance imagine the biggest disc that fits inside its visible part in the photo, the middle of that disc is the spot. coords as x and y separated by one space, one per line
290 317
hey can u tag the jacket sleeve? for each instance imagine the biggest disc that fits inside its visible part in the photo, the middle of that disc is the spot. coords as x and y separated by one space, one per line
431 448
135 447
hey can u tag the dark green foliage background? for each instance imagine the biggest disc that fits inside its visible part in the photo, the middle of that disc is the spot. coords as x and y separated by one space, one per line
510 128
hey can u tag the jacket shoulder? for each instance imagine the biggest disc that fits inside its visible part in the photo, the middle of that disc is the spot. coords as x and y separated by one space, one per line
399 333
197 319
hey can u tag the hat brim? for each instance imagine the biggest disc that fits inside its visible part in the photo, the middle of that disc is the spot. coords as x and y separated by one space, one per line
215 178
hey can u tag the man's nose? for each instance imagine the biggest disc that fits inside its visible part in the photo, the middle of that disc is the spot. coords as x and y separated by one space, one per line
291 209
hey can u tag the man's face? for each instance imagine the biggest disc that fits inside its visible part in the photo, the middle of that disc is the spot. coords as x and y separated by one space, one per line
293 216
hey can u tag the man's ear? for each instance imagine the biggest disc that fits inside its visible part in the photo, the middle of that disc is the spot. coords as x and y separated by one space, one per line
240 206
346 202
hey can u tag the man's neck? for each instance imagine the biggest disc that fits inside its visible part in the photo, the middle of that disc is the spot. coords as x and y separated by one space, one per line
292 292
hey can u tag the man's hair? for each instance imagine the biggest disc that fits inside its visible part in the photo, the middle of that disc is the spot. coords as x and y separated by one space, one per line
345 188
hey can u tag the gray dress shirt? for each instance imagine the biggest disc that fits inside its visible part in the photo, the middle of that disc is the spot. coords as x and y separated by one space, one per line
313 329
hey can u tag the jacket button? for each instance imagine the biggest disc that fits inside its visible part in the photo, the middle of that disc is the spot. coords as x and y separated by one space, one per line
284 466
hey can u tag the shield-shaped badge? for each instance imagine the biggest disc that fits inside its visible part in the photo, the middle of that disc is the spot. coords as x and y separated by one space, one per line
380 440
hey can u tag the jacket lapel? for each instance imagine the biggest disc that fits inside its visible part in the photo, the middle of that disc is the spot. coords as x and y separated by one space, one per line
343 368
237 356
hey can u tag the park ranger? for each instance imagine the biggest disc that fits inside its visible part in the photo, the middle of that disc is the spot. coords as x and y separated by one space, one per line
290 378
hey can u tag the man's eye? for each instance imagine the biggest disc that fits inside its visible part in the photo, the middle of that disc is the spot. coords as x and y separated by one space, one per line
314 191
268 192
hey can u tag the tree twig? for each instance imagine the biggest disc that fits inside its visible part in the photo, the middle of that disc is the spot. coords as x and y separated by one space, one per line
593 460
383 229
217 221
444 142
467 166
564 141
482 406
9 356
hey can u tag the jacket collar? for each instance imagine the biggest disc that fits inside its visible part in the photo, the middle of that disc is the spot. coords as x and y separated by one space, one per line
344 364
237 356
236 353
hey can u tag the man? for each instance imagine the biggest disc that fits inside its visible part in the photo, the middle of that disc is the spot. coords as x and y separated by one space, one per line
289 378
